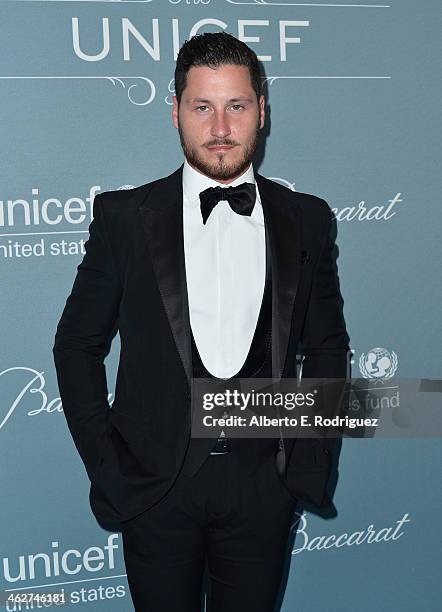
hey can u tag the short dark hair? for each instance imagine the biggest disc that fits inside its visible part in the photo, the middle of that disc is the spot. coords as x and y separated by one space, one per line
214 49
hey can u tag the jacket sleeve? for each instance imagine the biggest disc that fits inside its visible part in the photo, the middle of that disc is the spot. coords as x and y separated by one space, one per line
83 339
324 338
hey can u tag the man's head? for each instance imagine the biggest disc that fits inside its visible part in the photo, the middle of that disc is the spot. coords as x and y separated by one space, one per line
218 101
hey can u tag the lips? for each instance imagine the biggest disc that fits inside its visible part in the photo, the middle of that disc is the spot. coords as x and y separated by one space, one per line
220 148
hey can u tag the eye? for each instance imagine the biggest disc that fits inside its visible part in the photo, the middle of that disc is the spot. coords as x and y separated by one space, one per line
234 106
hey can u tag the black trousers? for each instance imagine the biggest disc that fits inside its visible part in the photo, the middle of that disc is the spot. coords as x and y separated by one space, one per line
225 530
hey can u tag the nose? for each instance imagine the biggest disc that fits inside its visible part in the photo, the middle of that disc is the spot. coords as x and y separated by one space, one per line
220 127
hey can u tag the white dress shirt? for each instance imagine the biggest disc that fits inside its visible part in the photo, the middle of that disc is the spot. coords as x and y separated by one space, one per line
225 270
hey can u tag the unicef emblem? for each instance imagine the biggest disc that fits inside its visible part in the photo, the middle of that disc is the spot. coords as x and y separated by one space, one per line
378 363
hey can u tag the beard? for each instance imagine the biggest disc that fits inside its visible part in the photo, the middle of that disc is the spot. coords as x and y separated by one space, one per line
221 169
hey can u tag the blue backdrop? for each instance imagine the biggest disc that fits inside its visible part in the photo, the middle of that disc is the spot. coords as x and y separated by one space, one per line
86 99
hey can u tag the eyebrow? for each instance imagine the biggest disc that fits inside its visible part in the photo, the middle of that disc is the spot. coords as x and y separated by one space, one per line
241 99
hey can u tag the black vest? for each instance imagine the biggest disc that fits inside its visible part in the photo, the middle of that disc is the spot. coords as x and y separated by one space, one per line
257 364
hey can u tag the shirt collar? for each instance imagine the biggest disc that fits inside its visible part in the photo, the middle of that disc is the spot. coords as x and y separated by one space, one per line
194 182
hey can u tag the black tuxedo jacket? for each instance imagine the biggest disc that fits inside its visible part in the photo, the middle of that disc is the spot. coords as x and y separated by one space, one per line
132 279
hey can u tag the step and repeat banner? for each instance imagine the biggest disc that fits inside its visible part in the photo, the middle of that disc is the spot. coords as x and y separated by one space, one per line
352 115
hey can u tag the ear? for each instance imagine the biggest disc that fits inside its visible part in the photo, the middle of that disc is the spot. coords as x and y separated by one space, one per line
175 111
261 111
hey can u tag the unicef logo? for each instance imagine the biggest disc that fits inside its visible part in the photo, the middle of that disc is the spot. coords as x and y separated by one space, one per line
378 363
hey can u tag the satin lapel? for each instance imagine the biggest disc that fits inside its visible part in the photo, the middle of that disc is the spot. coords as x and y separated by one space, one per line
283 222
162 216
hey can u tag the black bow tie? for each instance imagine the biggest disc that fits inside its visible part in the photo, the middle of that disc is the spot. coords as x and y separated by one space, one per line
241 199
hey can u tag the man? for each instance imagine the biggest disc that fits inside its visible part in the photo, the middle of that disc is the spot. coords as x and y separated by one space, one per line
201 286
